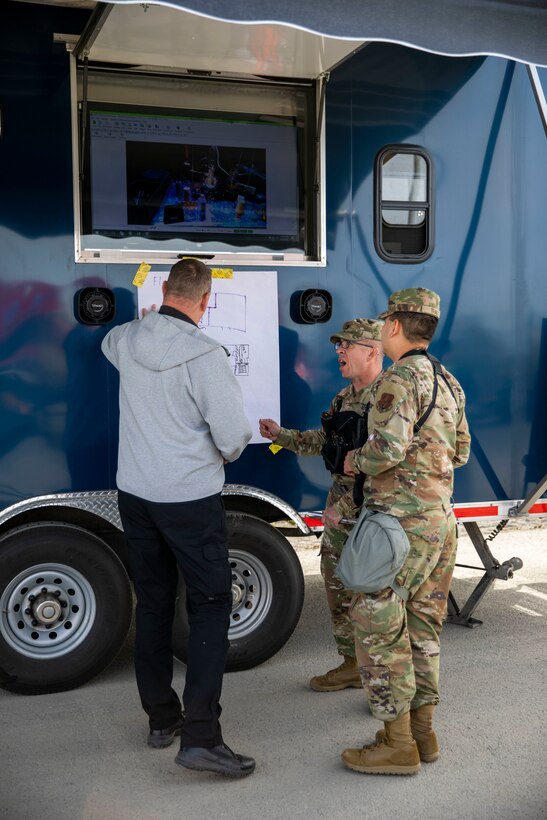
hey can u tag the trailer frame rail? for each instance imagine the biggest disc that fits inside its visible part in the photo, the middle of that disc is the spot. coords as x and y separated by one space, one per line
468 516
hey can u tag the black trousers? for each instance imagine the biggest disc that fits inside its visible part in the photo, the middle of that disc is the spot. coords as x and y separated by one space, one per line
191 536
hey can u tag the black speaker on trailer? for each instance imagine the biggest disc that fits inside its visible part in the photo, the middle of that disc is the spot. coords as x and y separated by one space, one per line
94 306
311 306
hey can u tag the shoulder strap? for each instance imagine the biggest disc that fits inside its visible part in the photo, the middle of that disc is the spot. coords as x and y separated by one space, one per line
437 367
422 420
437 371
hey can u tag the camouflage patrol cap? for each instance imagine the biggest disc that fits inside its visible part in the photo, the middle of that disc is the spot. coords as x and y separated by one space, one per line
357 329
413 300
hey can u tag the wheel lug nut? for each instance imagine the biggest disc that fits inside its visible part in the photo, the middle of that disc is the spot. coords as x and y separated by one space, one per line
57 593
32 598
44 589
34 622
63 604
61 618
28 611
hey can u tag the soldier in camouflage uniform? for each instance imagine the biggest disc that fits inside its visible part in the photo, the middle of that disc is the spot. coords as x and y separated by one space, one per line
360 357
410 475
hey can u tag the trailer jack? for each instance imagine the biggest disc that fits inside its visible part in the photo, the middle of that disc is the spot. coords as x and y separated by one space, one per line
494 570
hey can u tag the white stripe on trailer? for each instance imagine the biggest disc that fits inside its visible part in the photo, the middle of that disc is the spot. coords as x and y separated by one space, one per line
498 509
479 511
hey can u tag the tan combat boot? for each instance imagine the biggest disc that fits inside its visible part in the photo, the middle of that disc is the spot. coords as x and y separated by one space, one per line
397 753
421 724
343 677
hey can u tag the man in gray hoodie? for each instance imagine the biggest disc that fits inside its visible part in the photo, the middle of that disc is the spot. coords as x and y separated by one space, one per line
181 420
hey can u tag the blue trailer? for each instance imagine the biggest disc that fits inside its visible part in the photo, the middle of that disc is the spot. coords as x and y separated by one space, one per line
412 152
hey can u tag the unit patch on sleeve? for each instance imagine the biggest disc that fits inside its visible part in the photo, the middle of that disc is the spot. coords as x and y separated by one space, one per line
385 402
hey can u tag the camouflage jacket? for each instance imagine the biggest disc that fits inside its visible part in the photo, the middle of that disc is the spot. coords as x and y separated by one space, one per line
410 473
310 442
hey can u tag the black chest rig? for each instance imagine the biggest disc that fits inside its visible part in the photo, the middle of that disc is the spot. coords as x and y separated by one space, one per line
345 430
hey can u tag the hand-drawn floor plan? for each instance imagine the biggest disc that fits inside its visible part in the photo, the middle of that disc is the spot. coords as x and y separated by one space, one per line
225 310
242 315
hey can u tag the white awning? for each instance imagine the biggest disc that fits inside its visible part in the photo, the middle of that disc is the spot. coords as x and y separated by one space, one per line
308 37
158 35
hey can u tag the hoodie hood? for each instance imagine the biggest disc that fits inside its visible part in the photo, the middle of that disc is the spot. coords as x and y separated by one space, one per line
160 342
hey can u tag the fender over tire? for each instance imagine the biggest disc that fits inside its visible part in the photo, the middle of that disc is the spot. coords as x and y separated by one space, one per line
268 593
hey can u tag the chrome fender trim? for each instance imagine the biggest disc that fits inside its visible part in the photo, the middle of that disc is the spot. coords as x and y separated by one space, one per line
104 504
269 498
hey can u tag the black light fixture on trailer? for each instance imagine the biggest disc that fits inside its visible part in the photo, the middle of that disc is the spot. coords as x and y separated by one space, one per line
311 306
95 306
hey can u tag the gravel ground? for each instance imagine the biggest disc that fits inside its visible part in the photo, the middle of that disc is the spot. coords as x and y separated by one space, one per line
81 755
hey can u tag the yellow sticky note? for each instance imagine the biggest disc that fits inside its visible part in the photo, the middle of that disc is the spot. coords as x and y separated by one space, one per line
222 273
141 274
275 448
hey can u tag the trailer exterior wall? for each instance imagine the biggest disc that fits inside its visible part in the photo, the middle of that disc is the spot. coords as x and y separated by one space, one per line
478 120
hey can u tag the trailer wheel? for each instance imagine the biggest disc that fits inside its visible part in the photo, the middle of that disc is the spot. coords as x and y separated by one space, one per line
267 590
65 607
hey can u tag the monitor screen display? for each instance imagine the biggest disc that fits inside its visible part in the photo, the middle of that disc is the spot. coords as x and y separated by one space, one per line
193 180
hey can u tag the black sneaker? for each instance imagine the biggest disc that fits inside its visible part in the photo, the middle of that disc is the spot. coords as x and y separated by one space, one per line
218 759
162 738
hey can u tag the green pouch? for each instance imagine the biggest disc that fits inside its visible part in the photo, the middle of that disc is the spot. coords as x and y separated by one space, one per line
373 554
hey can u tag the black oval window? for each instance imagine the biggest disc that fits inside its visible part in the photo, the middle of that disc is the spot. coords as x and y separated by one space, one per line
403 207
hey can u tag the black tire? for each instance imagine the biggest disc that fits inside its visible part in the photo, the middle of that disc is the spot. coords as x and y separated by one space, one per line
88 602
269 577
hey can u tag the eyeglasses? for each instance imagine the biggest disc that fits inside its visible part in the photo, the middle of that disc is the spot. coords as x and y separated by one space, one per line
344 344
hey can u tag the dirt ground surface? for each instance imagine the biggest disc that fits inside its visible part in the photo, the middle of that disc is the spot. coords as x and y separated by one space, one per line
82 755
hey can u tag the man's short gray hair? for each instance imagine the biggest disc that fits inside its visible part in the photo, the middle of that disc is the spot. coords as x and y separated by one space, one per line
377 347
189 279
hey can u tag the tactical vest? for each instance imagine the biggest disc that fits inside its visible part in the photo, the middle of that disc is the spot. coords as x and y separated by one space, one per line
344 430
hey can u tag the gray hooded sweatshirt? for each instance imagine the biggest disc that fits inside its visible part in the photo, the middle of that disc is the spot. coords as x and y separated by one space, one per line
181 409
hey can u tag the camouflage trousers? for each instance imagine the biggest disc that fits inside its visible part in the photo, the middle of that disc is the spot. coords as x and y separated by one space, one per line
338 597
397 644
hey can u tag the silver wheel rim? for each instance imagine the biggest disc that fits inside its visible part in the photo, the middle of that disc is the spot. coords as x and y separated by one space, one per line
47 611
252 593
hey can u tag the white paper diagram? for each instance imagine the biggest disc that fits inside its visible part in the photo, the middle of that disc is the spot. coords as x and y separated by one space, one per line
239 356
242 316
227 311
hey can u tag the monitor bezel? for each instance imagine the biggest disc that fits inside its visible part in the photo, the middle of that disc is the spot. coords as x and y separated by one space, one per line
312 192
